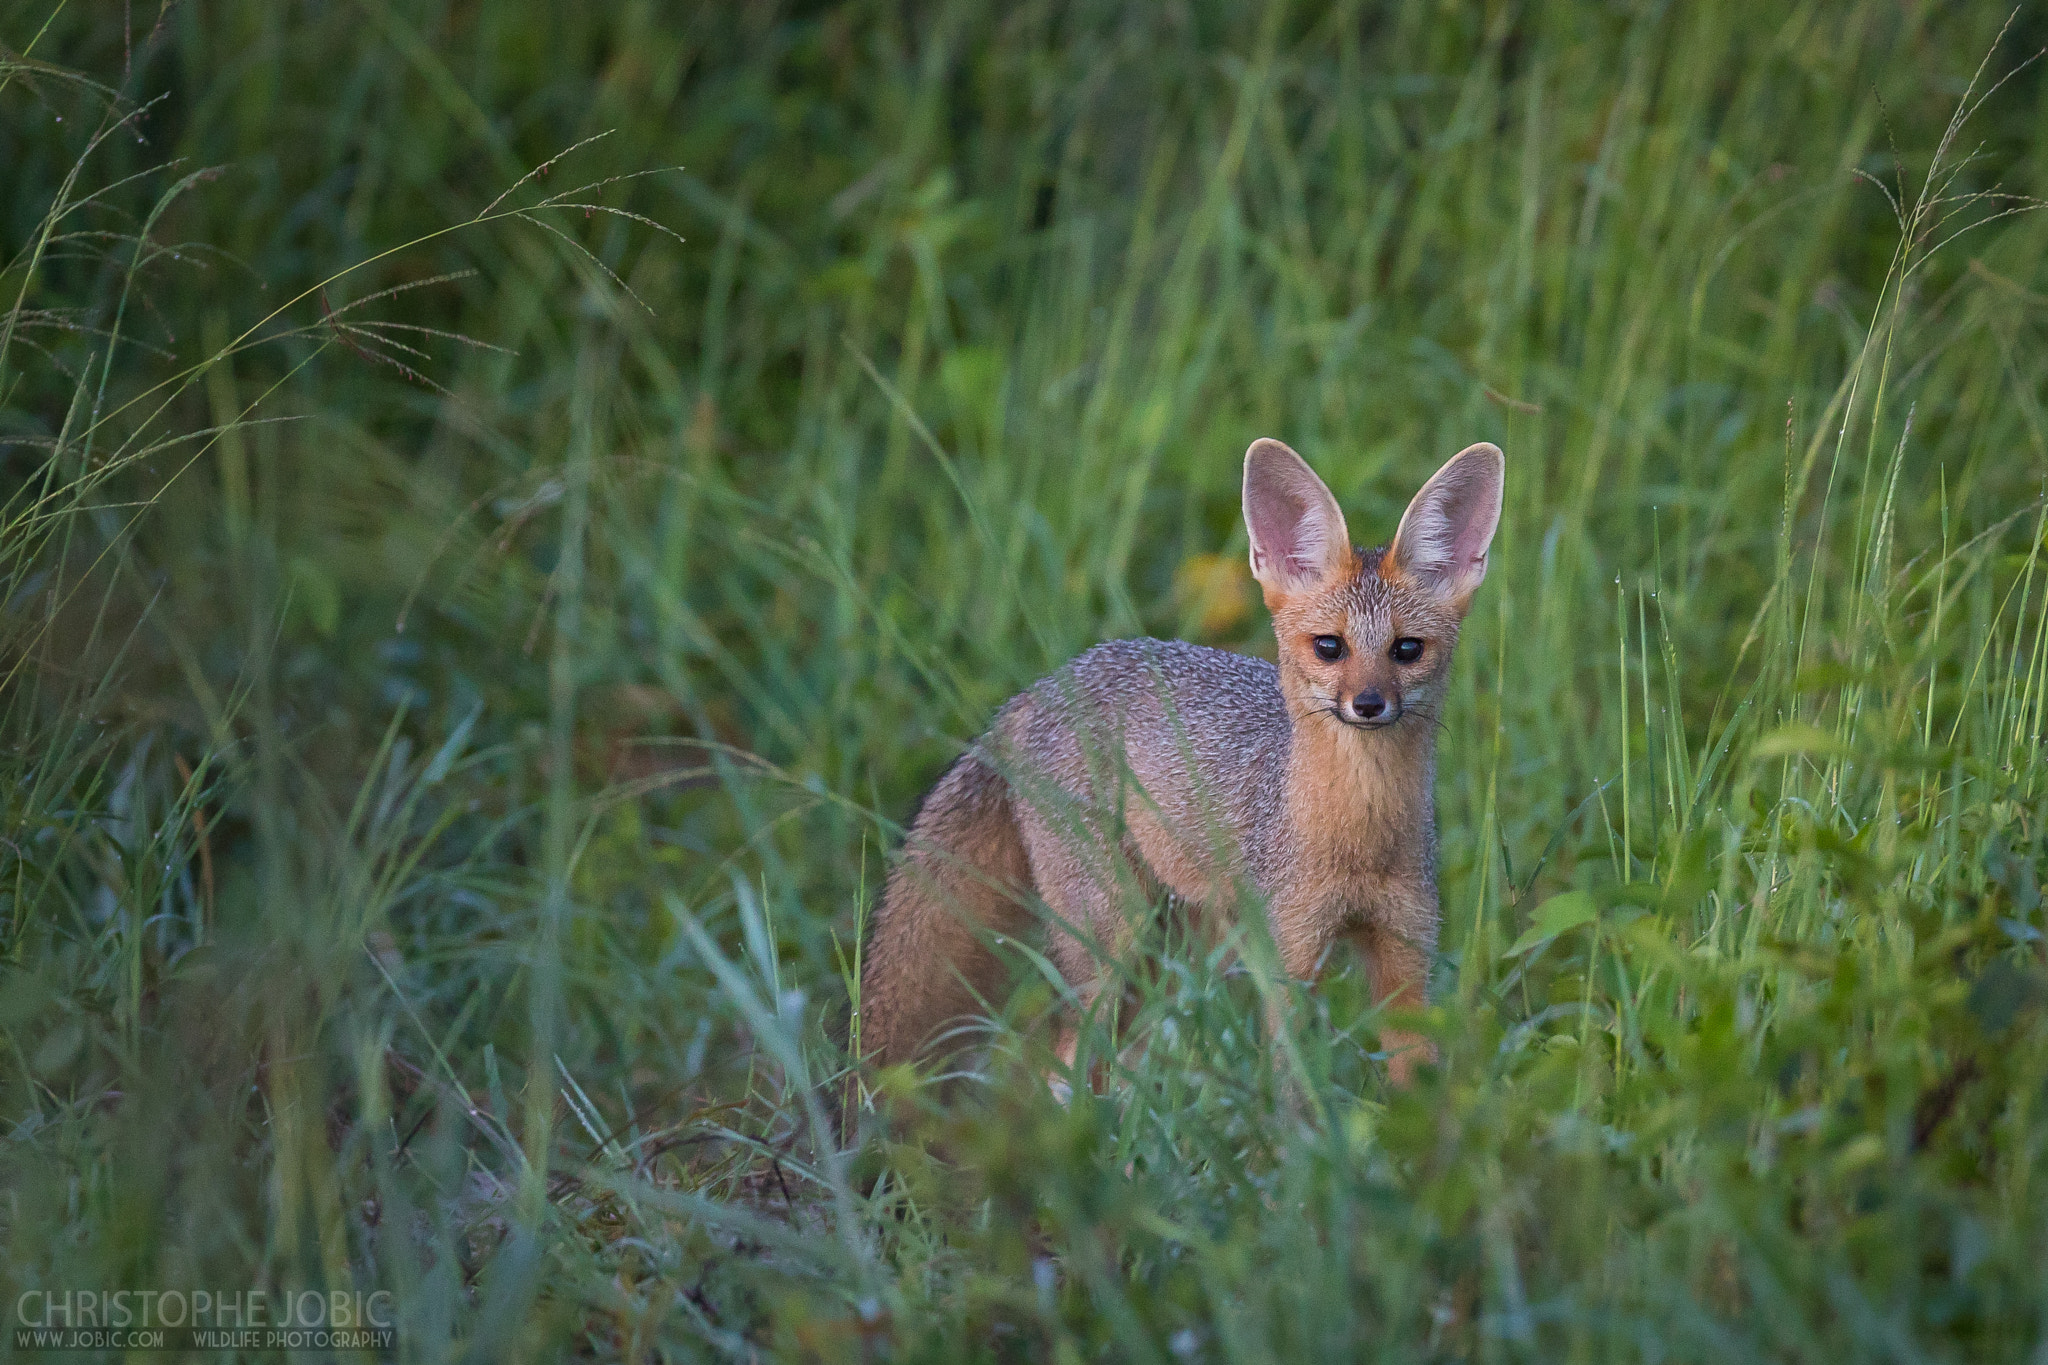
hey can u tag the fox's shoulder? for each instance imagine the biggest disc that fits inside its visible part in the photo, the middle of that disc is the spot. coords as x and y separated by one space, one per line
1199 682
1144 659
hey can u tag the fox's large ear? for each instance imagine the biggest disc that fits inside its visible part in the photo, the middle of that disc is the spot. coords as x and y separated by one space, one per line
1297 531
1441 546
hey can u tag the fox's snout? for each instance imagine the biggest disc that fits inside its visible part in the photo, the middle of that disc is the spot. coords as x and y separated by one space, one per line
1367 689
1346 652
1371 707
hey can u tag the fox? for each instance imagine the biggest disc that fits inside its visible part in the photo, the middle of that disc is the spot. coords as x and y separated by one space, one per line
1148 771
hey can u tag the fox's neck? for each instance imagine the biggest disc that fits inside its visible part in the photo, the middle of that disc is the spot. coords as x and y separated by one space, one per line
1361 797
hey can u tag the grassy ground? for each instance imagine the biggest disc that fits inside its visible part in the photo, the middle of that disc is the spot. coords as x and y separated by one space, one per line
471 632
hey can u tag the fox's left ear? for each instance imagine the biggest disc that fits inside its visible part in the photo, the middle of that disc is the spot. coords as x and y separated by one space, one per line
1441 546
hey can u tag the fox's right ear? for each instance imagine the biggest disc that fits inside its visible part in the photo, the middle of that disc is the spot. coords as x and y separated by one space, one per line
1445 533
1297 530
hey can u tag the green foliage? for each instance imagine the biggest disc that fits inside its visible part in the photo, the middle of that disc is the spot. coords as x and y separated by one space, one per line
504 514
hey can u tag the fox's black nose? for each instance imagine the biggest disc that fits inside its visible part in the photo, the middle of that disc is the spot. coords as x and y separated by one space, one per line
1369 705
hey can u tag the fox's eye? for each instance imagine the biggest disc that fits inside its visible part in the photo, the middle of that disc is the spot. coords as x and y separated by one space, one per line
1406 650
1329 648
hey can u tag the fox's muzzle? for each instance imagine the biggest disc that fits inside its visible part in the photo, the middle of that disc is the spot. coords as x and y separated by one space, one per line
1370 709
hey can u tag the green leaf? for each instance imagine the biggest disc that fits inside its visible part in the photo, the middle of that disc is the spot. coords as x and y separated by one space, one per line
1566 910
60 1048
316 594
1798 738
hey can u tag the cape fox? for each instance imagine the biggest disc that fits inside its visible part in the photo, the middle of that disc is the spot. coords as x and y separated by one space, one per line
1146 766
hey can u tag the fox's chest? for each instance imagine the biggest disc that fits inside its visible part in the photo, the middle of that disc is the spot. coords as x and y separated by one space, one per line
1359 813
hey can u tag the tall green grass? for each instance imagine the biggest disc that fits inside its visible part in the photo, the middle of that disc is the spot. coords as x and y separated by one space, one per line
465 658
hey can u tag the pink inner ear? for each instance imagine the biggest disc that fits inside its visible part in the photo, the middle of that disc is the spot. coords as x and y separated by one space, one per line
1445 536
1470 525
1280 533
1296 528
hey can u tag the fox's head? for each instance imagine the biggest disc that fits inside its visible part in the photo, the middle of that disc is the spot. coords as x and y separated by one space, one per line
1366 635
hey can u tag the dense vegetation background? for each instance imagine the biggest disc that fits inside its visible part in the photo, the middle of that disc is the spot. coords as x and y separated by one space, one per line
478 599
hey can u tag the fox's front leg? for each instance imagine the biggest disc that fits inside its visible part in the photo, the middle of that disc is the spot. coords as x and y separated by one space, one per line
1396 954
1303 930
1394 943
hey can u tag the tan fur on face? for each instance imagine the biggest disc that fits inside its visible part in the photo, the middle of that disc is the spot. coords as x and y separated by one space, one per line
1146 766
1369 610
